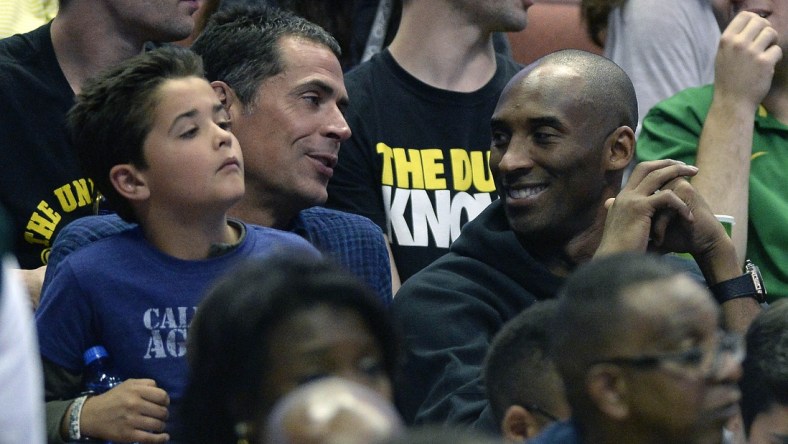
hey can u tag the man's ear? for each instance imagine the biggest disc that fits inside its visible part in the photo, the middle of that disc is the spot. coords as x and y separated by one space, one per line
620 148
519 424
225 94
129 182
607 388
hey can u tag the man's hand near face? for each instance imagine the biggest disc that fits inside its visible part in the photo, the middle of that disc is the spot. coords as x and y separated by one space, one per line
630 219
659 210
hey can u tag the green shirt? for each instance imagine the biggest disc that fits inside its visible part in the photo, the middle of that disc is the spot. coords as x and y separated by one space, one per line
672 130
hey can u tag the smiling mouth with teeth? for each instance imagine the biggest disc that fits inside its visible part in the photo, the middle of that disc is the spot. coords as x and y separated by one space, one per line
522 193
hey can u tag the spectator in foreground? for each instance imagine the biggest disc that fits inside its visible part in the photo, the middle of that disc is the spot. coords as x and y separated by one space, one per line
270 327
643 356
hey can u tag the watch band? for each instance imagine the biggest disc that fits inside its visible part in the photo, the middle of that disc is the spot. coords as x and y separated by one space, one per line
750 284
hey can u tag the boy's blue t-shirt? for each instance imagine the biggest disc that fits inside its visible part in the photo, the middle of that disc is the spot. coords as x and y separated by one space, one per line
124 294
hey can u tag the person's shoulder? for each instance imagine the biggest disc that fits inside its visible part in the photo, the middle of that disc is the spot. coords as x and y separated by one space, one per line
507 65
107 250
695 98
20 47
371 78
329 218
450 280
26 63
363 70
268 238
93 228
254 231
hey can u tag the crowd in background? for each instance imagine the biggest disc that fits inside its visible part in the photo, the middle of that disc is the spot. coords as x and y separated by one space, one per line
368 221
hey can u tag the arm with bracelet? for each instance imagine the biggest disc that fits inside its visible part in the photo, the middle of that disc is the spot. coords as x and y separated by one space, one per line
124 413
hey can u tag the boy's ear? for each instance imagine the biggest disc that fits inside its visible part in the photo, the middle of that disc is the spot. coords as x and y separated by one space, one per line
225 94
620 148
129 182
519 424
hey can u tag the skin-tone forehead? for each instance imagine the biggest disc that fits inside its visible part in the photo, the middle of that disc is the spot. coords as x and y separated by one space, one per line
548 90
306 328
551 81
300 51
667 311
308 56
177 95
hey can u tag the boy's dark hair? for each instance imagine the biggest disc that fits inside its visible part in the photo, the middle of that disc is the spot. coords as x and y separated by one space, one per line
765 380
114 114
240 45
228 345
518 369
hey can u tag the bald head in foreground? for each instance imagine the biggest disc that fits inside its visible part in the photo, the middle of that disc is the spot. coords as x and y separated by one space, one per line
332 410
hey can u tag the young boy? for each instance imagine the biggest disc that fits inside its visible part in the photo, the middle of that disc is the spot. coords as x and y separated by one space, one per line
157 141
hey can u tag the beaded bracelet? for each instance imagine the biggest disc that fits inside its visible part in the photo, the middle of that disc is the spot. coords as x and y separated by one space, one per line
73 418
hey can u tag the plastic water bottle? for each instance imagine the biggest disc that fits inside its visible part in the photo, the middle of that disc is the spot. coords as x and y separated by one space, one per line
100 375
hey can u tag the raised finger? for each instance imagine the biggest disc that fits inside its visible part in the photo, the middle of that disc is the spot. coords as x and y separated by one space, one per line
739 22
754 27
642 170
765 38
657 178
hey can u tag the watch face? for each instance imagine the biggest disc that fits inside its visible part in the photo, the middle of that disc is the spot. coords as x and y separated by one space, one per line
757 280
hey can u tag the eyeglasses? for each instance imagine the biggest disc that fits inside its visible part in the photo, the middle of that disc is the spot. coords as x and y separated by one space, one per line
707 360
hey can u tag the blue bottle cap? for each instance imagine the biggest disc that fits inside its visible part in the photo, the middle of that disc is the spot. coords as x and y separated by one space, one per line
93 353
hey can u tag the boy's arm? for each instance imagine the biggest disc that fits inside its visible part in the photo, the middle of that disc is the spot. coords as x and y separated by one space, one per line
60 388
134 411
743 74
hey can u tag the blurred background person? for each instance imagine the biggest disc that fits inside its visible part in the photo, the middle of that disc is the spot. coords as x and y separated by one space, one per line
332 411
21 380
523 385
272 326
18 16
664 47
764 386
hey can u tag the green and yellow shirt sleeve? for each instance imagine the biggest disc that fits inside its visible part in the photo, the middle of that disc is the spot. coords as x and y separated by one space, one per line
672 130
